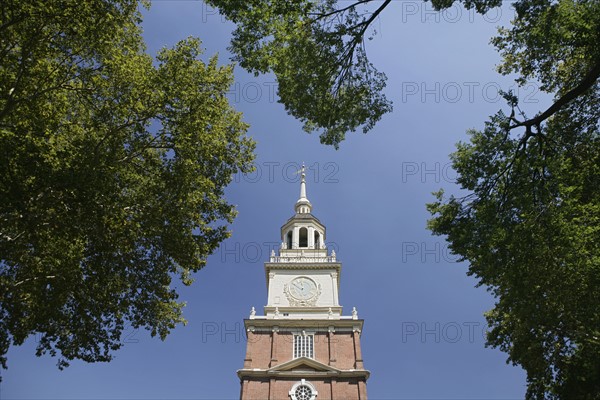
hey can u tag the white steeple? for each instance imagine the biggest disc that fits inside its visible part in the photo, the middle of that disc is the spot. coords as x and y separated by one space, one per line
302 278
303 206
303 335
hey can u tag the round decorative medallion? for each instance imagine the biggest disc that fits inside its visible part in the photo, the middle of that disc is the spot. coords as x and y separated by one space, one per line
303 288
303 393
302 291
303 390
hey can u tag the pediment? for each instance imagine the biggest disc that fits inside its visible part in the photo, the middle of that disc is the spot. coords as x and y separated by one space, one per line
302 368
303 364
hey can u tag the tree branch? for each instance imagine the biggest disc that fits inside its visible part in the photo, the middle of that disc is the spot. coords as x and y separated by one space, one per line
584 85
341 10
14 21
34 279
346 59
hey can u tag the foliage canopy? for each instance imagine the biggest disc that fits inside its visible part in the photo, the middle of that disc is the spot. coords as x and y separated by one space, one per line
530 227
113 170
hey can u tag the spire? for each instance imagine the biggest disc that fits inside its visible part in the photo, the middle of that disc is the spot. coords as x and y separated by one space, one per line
303 184
303 206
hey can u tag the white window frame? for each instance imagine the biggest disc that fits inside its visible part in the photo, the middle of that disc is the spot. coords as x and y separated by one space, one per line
304 345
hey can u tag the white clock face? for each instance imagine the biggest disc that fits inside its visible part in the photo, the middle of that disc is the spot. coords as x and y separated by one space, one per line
303 288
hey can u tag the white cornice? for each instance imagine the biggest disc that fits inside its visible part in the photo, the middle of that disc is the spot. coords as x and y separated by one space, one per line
263 373
294 220
341 325
337 266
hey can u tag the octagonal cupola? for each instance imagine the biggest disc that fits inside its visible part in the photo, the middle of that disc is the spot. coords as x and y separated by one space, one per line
303 231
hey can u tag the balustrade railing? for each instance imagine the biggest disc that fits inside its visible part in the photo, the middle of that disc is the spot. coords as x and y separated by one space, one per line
302 259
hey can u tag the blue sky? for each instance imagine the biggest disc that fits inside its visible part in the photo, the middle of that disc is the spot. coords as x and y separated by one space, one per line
424 324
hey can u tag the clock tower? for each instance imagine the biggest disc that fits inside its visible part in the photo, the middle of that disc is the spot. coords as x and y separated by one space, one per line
303 347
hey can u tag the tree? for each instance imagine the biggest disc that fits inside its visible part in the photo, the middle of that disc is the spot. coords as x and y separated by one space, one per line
530 231
113 171
317 54
529 224
316 49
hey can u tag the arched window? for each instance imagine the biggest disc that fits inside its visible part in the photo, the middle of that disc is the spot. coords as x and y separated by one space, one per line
303 240
289 240
317 240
